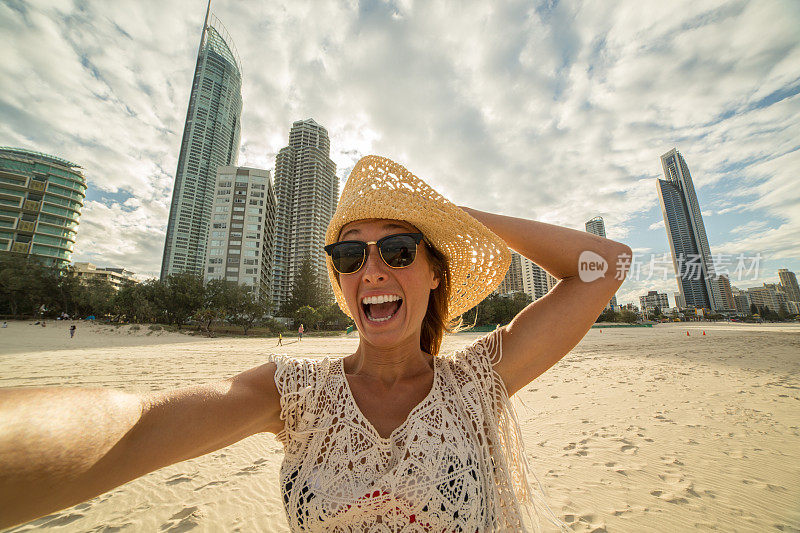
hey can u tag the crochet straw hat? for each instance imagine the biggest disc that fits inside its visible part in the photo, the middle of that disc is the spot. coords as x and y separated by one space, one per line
380 188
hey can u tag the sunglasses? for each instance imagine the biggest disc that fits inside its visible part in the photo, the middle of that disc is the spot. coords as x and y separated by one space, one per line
397 251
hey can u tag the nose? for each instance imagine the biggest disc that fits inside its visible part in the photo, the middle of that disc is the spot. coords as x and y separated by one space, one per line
374 267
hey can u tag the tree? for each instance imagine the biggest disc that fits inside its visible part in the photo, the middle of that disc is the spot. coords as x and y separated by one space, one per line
628 316
753 309
307 290
331 317
247 309
181 297
308 316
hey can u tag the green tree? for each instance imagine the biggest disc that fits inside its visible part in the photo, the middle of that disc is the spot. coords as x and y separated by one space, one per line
181 297
308 316
628 316
132 302
20 283
247 310
307 290
332 317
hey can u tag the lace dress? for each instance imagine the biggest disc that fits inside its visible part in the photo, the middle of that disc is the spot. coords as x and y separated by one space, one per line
455 464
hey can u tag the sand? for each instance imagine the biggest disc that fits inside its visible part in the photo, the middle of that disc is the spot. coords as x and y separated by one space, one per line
637 429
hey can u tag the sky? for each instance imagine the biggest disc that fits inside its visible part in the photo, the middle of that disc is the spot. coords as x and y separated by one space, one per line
552 110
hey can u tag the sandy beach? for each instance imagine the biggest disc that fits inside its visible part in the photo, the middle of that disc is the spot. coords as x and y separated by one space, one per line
637 429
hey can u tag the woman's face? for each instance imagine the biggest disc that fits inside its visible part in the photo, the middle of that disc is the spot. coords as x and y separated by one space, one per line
391 323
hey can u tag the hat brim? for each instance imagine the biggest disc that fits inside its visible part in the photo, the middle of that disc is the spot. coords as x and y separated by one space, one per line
379 188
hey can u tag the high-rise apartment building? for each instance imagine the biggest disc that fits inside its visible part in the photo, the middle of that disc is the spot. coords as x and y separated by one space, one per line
536 281
653 299
726 294
512 282
789 282
307 191
210 140
240 241
741 300
597 226
691 255
41 197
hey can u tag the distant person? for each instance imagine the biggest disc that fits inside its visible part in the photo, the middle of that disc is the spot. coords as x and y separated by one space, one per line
280 339
72 329
5 324
300 331
440 451
44 324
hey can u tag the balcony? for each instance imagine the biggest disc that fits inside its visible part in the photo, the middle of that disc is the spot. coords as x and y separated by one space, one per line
31 205
37 185
25 225
20 247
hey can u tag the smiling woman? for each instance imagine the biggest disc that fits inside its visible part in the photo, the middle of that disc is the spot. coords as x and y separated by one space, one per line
393 437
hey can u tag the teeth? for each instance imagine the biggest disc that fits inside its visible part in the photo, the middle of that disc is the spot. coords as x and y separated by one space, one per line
383 298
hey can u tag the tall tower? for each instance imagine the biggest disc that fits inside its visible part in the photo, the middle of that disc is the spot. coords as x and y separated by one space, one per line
307 191
691 255
597 226
210 140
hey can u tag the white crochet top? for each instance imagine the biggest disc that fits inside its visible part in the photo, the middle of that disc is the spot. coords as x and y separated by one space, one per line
455 464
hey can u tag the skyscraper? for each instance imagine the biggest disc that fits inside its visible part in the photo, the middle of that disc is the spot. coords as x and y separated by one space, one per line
536 281
512 282
307 191
41 197
691 255
597 226
789 282
242 229
210 140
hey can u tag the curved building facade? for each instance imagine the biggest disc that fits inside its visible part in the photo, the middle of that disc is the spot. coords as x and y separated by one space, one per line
211 137
41 197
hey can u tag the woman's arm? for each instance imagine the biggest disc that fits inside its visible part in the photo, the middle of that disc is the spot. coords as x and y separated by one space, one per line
60 446
546 330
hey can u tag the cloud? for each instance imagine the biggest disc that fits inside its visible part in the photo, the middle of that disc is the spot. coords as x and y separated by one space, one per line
555 110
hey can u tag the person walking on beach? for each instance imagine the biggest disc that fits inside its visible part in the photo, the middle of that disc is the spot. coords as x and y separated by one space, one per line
72 329
438 448
280 339
300 331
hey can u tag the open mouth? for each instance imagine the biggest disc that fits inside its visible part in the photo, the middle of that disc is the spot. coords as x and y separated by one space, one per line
381 308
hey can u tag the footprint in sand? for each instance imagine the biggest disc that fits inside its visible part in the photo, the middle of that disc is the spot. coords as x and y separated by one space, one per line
184 520
210 484
178 478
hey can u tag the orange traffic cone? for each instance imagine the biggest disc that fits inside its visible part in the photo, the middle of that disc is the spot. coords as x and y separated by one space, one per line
687 333
704 332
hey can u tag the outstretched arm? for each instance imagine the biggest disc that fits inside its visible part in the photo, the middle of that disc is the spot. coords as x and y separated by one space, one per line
547 329
60 446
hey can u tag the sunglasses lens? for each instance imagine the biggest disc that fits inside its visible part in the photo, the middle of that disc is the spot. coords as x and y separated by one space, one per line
399 251
347 257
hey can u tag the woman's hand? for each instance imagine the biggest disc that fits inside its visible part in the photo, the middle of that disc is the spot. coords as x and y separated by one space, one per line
547 329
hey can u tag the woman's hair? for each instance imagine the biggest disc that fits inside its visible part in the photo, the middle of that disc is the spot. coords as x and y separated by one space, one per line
435 322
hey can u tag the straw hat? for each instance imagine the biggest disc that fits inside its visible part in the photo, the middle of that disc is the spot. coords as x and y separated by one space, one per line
380 188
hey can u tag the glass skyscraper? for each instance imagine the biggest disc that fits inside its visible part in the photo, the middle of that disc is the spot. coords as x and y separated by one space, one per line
210 140
41 197
307 191
691 255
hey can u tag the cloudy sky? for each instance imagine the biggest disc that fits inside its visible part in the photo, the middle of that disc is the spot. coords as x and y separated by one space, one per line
553 110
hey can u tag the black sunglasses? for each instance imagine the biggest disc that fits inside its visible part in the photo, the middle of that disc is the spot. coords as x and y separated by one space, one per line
397 251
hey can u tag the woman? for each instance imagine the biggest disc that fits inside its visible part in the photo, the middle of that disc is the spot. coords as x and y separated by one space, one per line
392 437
